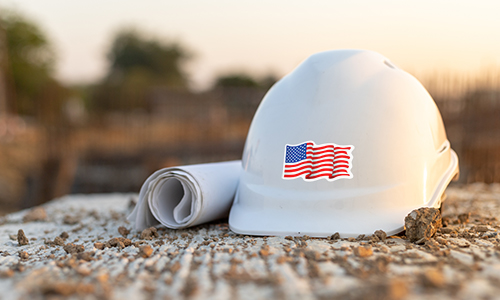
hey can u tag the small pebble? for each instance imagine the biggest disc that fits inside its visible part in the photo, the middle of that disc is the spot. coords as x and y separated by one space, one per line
433 278
21 238
149 233
123 231
363 251
99 246
145 251
24 255
36 214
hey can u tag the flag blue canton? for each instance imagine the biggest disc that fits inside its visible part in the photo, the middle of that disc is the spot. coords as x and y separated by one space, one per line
296 153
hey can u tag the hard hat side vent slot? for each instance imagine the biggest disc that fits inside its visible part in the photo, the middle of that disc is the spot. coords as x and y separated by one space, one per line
389 64
444 147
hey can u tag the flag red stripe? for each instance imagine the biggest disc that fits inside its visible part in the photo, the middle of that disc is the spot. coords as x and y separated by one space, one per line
341 166
319 148
342 156
310 167
341 162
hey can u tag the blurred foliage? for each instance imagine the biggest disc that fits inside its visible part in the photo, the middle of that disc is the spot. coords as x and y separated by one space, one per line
239 80
244 80
138 63
29 64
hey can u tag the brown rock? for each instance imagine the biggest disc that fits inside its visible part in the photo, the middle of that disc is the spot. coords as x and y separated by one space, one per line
102 278
123 231
447 230
86 256
481 228
24 255
145 251
21 238
432 245
58 241
71 220
335 236
36 214
6 273
283 259
312 255
397 289
83 270
99 246
380 234
433 278
64 235
71 248
363 251
463 218
264 252
67 288
421 224
118 242
149 233
175 267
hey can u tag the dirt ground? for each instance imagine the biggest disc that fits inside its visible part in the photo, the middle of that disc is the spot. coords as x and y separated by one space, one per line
81 247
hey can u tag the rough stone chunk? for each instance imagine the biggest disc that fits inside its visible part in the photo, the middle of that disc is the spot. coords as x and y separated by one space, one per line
99 246
21 238
24 255
421 224
87 256
433 278
36 214
380 234
123 231
118 242
71 248
481 228
363 251
149 233
145 251
463 218
71 220
59 241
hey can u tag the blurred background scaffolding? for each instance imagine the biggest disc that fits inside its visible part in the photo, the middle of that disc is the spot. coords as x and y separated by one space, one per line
144 114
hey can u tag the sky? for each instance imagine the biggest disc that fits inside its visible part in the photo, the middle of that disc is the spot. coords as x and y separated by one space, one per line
261 37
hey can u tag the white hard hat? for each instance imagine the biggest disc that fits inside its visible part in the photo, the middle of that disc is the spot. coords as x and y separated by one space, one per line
346 143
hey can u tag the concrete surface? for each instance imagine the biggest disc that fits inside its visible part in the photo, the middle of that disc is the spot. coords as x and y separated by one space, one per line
76 249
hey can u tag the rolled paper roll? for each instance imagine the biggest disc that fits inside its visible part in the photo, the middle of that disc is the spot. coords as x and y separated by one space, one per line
185 196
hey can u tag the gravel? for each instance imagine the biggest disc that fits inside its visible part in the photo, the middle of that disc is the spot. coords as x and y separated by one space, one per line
99 256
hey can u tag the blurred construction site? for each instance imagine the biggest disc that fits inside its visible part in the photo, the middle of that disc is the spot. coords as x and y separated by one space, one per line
111 135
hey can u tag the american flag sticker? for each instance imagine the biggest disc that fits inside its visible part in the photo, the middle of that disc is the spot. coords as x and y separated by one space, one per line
313 162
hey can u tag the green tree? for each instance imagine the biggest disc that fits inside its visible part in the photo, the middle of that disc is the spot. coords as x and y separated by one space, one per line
136 64
236 80
239 79
30 61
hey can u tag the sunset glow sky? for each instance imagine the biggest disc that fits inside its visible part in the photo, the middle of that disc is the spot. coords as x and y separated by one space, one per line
260 37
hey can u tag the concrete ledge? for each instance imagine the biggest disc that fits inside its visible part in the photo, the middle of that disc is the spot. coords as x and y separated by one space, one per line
81 248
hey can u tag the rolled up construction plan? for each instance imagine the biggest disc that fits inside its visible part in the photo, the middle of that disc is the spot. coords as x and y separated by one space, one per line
185 196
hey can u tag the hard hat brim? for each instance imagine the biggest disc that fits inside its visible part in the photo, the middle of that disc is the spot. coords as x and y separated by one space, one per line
348 223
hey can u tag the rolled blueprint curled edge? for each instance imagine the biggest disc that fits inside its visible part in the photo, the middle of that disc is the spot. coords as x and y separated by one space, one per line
185 196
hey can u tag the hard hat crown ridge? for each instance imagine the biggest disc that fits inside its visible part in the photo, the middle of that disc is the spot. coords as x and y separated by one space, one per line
347 143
